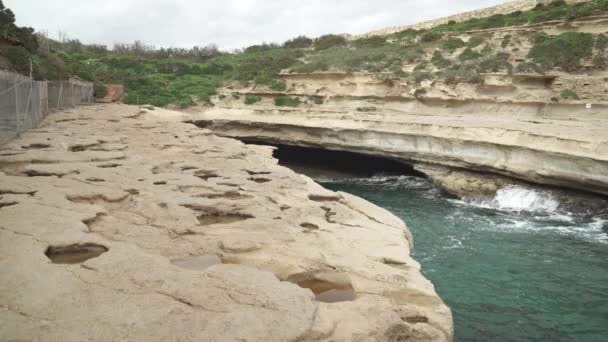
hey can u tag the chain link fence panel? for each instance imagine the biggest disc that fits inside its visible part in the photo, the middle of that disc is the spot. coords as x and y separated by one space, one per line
24 102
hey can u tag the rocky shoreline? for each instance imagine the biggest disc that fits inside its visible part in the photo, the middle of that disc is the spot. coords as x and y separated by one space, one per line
124 223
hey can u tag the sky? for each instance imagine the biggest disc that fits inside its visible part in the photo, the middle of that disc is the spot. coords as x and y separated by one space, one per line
230 24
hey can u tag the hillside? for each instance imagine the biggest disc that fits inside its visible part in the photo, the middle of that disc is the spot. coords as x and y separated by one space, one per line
554 39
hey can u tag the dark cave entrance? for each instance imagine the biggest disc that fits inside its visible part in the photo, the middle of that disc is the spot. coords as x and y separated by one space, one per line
323 163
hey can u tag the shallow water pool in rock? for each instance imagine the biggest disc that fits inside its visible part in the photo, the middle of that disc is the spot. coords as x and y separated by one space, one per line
74 254
512 269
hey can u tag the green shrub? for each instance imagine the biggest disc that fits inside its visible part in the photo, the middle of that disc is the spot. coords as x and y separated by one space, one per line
569 94
222 97
369 42
496 63
600 60
50 67
461 73
601 42
19 58
565 50
528 67
453 44
439 61
506 40
251 99
300 42
420 92
317 100
236 96
409 34
476 41
100 90
329 40
421 76
278 85
284 101
469 54
421 66
260 48
366 109
428 37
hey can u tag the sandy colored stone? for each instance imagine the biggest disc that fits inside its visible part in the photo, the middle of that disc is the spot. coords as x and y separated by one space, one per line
517 134
154 190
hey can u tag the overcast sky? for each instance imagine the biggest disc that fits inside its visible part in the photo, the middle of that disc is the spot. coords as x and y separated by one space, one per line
228 23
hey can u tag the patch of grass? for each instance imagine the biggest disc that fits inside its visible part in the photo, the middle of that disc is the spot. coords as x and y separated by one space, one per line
284 101
569 94
564 50
387 57
251 99
558 10
310 67
469 54
160 90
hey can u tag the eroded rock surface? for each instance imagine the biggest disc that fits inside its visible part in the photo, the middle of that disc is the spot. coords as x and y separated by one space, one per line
560 144
177 234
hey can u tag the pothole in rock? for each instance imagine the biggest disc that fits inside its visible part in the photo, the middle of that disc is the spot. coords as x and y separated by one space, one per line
74 254
108 166
205 174
36 146
221 218
198 263
326 291
307 225
260 180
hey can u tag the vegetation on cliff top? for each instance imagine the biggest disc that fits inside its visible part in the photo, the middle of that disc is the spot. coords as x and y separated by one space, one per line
184 76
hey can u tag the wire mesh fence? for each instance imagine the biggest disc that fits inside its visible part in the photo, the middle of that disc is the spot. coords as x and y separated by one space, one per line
25 102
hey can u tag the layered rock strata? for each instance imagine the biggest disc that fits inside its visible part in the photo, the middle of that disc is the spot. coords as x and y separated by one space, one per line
559 144
123 223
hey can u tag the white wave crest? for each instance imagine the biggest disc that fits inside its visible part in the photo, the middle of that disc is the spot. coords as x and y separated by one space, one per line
518 199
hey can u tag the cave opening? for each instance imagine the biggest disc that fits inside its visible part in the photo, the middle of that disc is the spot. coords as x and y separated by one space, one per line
324 163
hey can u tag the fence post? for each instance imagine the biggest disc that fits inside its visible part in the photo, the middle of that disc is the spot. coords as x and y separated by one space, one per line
16 105
60 94
29 99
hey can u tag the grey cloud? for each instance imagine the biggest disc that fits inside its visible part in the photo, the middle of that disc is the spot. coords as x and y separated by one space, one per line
229 23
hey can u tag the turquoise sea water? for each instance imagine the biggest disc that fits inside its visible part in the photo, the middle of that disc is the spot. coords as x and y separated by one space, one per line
515 268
